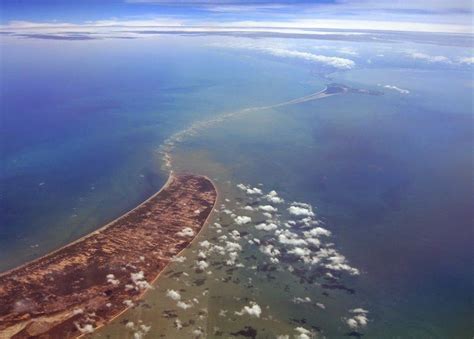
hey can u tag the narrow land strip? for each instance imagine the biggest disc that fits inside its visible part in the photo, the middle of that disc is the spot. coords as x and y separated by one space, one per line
85 284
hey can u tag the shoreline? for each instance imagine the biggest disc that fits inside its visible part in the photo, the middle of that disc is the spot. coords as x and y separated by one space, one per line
170 177
159 274
184 194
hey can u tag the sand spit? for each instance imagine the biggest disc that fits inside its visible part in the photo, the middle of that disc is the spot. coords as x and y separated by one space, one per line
330 90
74 290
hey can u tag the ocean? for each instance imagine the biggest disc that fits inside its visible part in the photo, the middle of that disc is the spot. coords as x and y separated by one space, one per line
389 175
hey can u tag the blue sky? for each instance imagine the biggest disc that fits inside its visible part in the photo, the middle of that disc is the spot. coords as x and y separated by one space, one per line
416 15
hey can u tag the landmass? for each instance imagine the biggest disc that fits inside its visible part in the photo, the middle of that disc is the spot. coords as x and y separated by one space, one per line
85 284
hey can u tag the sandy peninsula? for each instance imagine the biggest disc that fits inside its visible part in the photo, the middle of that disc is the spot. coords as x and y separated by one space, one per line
85 284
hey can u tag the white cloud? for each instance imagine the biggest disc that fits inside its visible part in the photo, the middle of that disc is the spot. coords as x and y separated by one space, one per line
173 295
242 220
299 300
233 256
139 280
201 265
205 244
250 190
352 323
235 234
88 328
303 333
232 246
128 303
301 210
111 279
186 232
268 208
270 250
359 320
178 259
336 62
300 251
313 241
290 238
266 227
398 89
467 60
430 58
273 197
253 310
183 305
316 232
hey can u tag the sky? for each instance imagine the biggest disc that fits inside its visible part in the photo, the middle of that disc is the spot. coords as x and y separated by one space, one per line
450 16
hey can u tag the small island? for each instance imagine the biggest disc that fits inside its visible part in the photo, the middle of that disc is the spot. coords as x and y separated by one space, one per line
85 284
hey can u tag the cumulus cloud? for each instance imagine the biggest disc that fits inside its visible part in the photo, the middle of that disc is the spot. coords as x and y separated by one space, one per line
266 227
268 208
316 232
186 232
183 305
273 197
467 60
337 262
88 328
358 320
303 333
235 235
398 89
270 250
111 279
205 244
429 58
128 303
336 62
139 280
299 300
178 259
201 265
289 238
242 220
232 246
300 251
250 190
173 295
301 210
283 51
252 310
233 256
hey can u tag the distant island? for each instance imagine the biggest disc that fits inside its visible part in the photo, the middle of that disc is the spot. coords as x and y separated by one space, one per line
85 284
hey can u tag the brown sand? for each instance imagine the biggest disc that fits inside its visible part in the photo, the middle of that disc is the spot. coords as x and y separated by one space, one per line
90 281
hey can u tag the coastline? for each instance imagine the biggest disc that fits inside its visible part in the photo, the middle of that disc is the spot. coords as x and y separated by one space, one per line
168 181
178 254
175 184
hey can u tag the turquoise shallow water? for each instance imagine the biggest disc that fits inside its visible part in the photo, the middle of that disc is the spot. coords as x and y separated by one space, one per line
389 175
396 200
